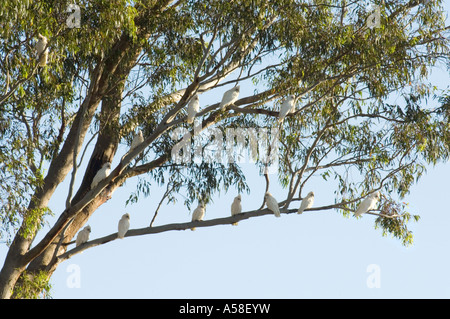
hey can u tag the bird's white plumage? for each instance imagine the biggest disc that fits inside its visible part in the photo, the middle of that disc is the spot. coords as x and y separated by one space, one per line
138 138
193 108
229 97
101 174
272 204
369 203
198 213
236 207
307 202
124 225
288 106
42 51
83 236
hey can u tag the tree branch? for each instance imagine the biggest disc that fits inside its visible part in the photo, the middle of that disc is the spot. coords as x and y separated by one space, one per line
197 224
166 193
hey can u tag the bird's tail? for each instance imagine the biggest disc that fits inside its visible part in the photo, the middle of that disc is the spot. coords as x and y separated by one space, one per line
43 59
358 212
300 211
277 214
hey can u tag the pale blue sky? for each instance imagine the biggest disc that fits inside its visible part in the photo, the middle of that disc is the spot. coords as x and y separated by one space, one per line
314 255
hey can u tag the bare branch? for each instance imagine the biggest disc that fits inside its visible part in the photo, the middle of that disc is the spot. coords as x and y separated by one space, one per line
197 224
266 177
166 193
300 172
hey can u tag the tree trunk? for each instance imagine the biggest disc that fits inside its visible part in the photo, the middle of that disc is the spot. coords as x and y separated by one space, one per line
104 151
16 257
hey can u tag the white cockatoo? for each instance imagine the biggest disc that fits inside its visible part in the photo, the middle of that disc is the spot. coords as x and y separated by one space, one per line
288 106
193 108
124 225
42 50
229 97
236 207
307 202
272 204
198 213
101 174
370 202
138 138
83 236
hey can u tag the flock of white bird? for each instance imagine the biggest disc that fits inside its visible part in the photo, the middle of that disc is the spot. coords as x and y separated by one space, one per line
369 203
229 98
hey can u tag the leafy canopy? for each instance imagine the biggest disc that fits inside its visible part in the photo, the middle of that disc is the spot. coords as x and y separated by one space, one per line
343 72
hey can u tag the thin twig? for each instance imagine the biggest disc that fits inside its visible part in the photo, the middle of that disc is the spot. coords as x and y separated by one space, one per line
266 176
167 192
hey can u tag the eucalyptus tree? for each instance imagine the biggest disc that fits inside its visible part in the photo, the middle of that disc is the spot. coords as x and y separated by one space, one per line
115 67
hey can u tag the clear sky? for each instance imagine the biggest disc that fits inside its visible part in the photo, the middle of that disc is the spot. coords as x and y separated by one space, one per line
314 255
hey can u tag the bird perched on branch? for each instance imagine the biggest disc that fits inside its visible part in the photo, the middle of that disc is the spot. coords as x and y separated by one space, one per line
236 207
198 213
138 138
101 174
193 108
369 203
287 107
307 202
272 204
229 97
83 236
124 225
42 50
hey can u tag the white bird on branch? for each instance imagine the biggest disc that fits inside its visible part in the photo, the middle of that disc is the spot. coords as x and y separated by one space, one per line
287 107
198 213
42 50
229 97
83 236
193 108
236 207
272 204
124 225
101 174
138 138
369 203
307 202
